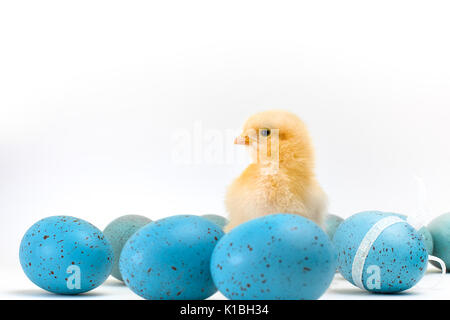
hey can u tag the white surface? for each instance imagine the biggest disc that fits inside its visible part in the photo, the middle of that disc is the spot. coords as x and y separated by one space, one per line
92 94
433 286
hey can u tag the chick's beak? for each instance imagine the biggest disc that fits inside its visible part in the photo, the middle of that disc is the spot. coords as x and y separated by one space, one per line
243 140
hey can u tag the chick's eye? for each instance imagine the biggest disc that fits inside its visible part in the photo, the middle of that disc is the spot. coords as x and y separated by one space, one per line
264 132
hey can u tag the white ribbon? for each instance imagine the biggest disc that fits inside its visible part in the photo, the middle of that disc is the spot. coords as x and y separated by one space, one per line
367 243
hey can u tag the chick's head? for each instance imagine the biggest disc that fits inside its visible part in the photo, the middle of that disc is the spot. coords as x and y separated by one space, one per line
277 137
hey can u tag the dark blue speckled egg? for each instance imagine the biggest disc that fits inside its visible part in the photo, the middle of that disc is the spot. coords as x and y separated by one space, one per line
169 259
65 255
380 252
118 232
275 257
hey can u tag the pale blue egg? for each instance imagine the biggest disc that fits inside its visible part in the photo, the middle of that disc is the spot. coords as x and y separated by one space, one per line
219 220
169 259
65 255
427 239
440 231
275 257
332 222
380 252
118 232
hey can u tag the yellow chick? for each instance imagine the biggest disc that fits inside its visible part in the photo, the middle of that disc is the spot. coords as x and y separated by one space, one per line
281 177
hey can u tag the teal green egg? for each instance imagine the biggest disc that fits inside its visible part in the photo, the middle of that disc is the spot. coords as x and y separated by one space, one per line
118 232
427 239
440 231
219 220
332 222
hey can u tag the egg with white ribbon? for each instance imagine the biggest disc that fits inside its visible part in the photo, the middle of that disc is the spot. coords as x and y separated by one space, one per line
380 252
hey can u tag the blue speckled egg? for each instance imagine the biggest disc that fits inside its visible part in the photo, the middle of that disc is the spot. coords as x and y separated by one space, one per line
65 255
219 220
170 258
440 231
275 257
118 232
332 222
380 252
423 231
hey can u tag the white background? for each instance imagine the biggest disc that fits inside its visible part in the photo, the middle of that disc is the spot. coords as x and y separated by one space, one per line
93 92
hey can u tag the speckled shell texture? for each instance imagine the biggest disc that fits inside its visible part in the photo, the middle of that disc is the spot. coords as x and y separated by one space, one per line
332 222
169 259
423 231
118 232
440 231
53 247
219 220
398 251
275 257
